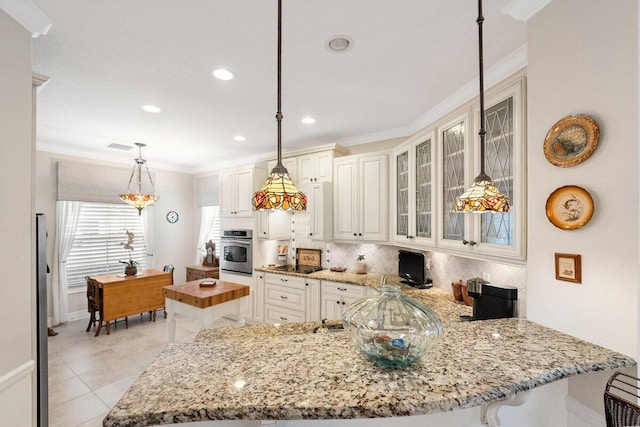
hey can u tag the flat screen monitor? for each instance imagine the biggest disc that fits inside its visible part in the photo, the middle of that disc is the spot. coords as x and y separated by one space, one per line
411 268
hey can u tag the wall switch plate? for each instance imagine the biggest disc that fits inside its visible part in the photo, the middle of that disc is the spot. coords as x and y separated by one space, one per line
486 277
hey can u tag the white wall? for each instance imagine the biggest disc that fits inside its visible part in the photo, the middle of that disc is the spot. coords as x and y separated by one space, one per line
17 260
174 243
583 58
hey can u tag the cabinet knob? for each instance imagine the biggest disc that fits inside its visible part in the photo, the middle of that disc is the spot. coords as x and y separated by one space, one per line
359 234
337 302
310 234
472 243
354 234
343 303
465 242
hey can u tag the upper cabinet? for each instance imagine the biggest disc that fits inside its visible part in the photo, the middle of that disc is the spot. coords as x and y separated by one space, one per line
291 163
315 167
274 225
236 190
413 174
431 169
319 202
360 198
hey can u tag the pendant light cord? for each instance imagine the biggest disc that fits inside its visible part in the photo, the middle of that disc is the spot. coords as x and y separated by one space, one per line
482 132
279 112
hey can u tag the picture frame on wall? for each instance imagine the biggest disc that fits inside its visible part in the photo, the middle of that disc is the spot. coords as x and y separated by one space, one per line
569 267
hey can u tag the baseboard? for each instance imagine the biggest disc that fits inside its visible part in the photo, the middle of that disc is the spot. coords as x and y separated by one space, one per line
586 415
12 377
77 315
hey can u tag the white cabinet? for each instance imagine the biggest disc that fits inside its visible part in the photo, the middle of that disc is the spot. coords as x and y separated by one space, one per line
236 190
413 183
290 298
315 167
336 296
319 203
360 198
290 163
274 225
490 235
258 297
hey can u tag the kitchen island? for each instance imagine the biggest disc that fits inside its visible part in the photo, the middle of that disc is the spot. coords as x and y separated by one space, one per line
288 372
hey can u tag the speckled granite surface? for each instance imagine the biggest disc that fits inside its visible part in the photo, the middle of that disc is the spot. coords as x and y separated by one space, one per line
288 372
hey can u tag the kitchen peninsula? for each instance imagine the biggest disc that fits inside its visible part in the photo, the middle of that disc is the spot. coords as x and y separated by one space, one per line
288 372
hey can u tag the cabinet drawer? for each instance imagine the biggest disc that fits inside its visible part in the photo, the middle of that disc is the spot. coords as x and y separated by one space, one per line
284 280
195 275
346 290
282 315
285 296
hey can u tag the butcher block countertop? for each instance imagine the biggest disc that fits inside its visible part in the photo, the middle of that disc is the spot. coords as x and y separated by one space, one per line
288 372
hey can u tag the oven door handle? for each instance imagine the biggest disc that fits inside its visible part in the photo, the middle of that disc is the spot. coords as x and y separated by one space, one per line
237 242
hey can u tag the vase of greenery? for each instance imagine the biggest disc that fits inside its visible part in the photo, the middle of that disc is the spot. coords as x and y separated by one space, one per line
131 267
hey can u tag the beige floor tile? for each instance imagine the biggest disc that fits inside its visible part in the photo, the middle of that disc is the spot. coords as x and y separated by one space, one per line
94 422
63 391
144 359
59 372
76 411
111 393
92 362
109 374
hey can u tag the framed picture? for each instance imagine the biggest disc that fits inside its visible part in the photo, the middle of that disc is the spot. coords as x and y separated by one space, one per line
569 268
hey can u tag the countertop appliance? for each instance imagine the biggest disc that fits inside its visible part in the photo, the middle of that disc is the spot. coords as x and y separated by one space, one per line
412 269
492 301
237 251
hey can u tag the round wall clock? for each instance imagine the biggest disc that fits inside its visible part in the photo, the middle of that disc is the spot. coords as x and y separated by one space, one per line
571 140
172 217
569 207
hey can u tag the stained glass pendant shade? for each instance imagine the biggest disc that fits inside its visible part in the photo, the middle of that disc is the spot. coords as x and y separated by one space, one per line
279 191
140 199
483 196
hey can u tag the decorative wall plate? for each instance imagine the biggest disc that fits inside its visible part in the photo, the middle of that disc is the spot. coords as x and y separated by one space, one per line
571 140
569 207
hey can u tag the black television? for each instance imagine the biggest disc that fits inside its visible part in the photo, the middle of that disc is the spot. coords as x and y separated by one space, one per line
411 268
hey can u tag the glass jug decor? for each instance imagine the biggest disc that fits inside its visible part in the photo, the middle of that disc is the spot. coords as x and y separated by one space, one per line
392 329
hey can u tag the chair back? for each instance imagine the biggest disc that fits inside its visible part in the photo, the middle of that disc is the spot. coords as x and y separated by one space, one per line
621 401
169 268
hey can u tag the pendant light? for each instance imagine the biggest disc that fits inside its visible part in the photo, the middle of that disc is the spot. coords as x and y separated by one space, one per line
483 196
279 191
139 199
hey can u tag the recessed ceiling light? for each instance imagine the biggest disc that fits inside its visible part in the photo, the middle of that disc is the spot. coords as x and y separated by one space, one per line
222 74
151 108
339 43
308 120
239 138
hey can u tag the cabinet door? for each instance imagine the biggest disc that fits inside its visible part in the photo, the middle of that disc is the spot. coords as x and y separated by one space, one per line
290 163
227 194
401 169
324 166
345 200
306 169
454 143
373 198
313 300
245 190
319 201
501 234
331 307
258 298
422 183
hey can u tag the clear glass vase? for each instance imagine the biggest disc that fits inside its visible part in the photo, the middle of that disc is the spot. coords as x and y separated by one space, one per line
392 329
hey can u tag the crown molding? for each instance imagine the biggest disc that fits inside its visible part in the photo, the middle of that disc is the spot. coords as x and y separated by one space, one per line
27 14
523 10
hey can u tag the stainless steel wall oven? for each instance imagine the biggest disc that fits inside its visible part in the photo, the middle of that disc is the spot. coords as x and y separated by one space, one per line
237 251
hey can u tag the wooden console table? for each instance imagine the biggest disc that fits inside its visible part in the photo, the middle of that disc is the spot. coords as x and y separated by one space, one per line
205 304
125 296
195 272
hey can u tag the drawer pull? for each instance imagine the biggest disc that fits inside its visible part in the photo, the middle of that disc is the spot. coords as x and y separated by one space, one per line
283 297
342 289
284 280
283 318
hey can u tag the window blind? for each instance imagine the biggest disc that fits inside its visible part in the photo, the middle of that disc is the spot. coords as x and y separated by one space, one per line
98 246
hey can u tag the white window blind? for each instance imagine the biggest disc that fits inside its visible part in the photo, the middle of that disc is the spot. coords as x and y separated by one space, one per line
212 215
98 244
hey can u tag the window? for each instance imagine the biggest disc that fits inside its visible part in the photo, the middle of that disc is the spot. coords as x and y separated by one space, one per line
210 227
98 246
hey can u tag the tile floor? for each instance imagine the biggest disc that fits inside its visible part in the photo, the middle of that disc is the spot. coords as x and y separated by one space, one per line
88 375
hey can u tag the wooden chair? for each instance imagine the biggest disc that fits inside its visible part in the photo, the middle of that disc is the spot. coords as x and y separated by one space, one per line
152 314
92 305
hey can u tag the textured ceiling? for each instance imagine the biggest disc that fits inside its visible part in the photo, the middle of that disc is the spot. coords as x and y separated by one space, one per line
107 58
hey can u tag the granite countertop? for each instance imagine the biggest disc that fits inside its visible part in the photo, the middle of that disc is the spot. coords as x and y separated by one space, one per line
287 372
369 279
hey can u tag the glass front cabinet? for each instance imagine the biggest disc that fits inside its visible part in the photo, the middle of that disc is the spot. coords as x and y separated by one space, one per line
434 167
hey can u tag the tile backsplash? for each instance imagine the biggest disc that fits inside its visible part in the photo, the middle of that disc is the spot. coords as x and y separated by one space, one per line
383 259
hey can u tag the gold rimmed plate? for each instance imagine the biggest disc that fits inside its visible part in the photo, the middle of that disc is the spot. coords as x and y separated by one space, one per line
569 207
571 140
